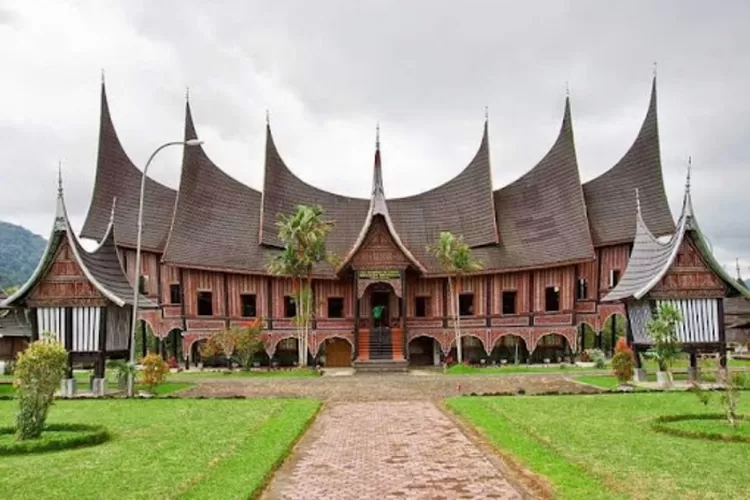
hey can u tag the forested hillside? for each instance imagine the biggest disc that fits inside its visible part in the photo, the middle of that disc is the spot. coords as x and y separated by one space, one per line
20 251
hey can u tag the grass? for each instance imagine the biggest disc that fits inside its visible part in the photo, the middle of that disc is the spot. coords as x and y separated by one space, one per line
514 369
162 449
711 426
602 446
168 387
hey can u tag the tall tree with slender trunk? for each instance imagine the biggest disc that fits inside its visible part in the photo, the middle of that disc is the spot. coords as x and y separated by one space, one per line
304 234
455 257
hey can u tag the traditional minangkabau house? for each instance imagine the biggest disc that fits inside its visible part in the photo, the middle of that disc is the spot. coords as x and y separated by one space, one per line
681 272
551 248
81 299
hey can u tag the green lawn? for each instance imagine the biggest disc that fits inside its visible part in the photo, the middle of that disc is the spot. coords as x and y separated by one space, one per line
515 369
168 387
161 449
602 446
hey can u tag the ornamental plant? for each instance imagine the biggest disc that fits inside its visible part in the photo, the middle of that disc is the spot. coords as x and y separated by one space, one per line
662 329
623 362
38 373
153 370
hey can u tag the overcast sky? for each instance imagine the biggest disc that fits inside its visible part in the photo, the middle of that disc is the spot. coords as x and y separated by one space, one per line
329 70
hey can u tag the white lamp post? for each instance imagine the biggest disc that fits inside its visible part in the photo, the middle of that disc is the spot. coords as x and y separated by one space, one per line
137 276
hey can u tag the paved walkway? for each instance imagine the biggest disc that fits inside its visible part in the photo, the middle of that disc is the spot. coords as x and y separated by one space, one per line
387 450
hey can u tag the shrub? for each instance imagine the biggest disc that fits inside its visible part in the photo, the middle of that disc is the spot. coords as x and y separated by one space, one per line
597 356
38 373
623 361
154 370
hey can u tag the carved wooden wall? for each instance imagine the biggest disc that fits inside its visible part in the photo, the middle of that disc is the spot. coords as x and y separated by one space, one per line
689 276
64 284
379 251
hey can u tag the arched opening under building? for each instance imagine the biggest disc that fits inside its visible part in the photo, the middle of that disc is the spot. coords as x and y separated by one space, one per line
552 348
472 350
510 349
286 353
172 345
424 351
336 353
199 357
615 327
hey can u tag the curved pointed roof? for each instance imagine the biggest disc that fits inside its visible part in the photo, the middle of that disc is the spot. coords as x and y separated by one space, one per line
462 205
117 177
609 197
542 215
102 267
216 218
283 191
650 259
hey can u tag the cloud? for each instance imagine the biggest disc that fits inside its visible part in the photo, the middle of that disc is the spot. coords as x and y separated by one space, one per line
329 70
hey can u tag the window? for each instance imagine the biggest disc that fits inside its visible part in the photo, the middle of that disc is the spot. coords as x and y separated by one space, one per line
582 290
466 304
175 294
335 307
290 308
552 298
143 284
420 306
614 277
205 304
287 345
509 302
248 305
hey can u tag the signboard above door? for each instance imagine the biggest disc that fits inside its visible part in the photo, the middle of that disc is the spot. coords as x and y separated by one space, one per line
383 274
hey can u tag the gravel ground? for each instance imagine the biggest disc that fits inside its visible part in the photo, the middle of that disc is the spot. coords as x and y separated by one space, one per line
386 387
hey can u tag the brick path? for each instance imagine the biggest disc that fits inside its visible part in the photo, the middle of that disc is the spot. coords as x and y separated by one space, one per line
387 450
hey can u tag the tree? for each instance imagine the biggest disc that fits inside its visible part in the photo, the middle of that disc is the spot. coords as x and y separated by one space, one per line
304 234
248 343
38 373
153 371
662 329
454 256
241 342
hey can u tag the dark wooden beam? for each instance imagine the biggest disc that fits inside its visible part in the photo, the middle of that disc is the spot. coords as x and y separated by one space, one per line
100 366
68 318
445 307
182 300
488 291
34 324
269 302
226 300
355 285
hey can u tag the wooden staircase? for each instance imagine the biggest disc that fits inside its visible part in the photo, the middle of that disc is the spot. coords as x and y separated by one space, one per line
380 350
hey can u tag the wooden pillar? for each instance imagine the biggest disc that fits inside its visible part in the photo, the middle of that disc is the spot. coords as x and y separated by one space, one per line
269 302
313 307
102 358
182 301
226 300
175 341
68 318
693 369
144 347
722 335
445 311
34 324
613 333
488 300
638 358
404 350
355 354
581 337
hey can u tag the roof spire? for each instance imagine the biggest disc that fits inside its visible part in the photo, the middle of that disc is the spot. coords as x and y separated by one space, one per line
567 89
654 69
59 178
737 265
689 167
268 117
187 93
486 113
377 137
102 76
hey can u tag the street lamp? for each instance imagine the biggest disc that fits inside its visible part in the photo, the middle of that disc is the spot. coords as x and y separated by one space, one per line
137 275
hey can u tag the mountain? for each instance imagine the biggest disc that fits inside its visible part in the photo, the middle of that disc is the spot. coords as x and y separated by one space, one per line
20 251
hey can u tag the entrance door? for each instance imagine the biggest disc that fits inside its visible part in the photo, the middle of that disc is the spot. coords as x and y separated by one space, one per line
338 353
380 299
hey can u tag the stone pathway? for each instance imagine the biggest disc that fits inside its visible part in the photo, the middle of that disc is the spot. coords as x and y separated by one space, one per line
387 450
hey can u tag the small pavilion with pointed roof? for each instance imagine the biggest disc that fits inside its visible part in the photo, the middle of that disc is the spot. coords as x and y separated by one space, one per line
683 273
81 299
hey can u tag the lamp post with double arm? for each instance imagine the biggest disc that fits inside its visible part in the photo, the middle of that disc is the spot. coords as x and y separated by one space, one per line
137 272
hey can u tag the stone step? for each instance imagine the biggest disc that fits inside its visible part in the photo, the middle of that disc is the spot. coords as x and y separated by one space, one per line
380 365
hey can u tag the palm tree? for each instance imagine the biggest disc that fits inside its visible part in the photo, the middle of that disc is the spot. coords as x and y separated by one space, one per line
454 255
303 233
